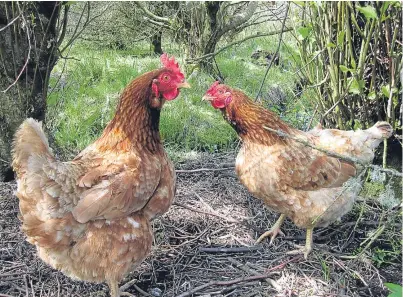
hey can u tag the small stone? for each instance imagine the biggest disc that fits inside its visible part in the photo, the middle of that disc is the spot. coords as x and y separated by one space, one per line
157 292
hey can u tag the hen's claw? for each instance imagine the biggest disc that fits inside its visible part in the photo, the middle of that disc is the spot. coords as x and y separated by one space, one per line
305 250
302 250
274 231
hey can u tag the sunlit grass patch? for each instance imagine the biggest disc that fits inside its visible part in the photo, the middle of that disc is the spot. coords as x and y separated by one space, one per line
84 92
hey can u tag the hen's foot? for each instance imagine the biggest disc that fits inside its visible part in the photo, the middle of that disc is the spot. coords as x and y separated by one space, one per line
127 285
274 231
301 250
114 288
305 250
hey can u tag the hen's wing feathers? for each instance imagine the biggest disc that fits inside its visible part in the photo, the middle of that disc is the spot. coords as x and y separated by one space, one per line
92 190
115 196
308 169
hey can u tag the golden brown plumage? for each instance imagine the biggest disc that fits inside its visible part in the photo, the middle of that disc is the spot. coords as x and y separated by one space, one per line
90 217
303 184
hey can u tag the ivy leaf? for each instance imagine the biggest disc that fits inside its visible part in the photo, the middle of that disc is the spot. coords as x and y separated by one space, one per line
300 3
304 32
386 90
344 69
356 86
385 6
372 95
368 11
396 290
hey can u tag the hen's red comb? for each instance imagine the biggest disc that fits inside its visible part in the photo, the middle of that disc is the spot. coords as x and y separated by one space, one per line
171 64
213 87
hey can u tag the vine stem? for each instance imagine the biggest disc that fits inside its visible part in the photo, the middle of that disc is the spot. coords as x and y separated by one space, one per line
277 50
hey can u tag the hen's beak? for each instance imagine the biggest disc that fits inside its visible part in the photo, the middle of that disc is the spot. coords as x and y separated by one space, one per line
207 98
183 85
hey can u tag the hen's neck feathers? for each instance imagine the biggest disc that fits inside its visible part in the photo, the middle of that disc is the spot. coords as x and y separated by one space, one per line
248 119
135 124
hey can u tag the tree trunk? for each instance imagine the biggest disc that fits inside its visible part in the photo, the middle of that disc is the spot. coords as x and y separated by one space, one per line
215 33
156 42
28 52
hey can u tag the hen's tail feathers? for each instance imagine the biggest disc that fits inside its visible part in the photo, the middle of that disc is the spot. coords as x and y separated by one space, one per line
381 130
29 140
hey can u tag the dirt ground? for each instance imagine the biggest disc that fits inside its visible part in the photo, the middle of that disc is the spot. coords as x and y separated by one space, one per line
204 246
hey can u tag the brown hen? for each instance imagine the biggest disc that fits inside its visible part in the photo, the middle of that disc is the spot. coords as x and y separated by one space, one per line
309 187
90 217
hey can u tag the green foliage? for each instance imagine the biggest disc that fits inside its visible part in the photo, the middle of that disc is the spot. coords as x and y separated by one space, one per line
341 45
372 189
395 290
381 256
82 100
368 11
356 86
325 269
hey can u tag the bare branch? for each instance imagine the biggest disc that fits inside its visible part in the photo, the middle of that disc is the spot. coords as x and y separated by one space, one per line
28 56
76 28
64 28
152 16
235 43
334 154
10 23
238 20
86 23
162 25
276 53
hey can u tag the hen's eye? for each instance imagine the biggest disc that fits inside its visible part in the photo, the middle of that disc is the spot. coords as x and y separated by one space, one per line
220 92
165 77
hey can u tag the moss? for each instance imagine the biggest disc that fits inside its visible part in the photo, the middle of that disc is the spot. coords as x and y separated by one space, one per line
372 189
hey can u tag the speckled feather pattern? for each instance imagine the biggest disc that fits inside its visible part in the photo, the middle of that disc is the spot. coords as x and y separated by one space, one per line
90 217
309 187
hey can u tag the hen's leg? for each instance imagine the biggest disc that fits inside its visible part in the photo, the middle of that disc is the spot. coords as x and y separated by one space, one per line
114 288
308 245
274 230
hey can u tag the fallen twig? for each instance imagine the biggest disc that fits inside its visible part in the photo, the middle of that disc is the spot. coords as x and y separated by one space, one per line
370 241
243 267
223 283
204 169
281 265
128 285
228 219
132 283
213 250
235 286
142 292
12 273
237 280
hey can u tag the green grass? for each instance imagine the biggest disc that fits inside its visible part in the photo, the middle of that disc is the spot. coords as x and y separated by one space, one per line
83 100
